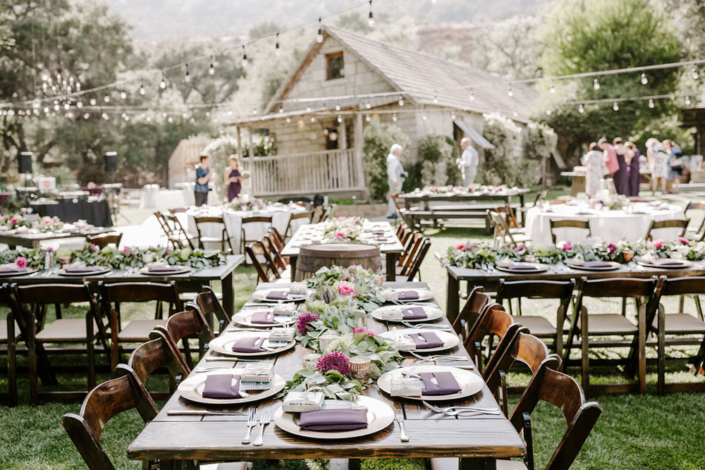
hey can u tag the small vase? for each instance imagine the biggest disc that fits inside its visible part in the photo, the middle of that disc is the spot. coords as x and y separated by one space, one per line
628 256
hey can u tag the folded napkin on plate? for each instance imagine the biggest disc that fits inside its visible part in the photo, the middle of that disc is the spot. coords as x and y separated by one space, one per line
596 264
13 270
408 295
278 295
263 318
165 269
426 340
333 420
251 344
445 383
414 313
522 267
667 262
221 386
83 270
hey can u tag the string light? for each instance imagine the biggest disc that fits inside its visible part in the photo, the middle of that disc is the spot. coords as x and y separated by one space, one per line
596 84
106 98
553 89
424 116
211 68
123 94
319 36
472 95
644 80
313 119
86 116
187 75
452 115
162 84
548 112
651 103
288 119
368 118
435 97
340 118
401 101
142 90
394 117
308 109
695 74
244 57
371 17
687 100
510 93
337 107
615 106
105 116
93 101
79 104
281 109
581 109
277 49
368 105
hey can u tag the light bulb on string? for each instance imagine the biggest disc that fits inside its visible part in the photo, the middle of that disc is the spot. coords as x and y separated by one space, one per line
340 118
56 107
170 119
44 87
149 118
92 101
288 120
277 49
435 98
211 67
105 116
162 84
452 115
67 106
142 90
651 103
581 109
368 105
254 111
553 89
687 100
510 93
515 113
313 119
319 36
208 114
424 116
106 98
46 110
371 17
695 74
123 94
596 84
472 95
308 109
79 104
86 116
401 101
187 75
281 109
394 117
368 118
644 79
615 106
548 112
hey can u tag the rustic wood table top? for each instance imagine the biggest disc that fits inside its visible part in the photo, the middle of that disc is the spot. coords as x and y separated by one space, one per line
30 240
479 440
294 245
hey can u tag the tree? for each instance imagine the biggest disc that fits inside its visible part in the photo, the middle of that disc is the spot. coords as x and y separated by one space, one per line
585 36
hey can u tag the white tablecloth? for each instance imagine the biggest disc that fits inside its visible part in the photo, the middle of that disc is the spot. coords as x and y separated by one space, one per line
233 222
608 226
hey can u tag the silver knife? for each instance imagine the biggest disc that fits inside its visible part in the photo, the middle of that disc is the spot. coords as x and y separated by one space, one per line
203 413
400 420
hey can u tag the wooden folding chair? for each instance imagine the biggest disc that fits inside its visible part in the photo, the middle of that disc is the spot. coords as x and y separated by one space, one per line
568 223
502 233
476 303
540 326
412 267
103 403
248 234
493 321
270 247
179 237
289 232
209 305
669 223
540 196
105 239
183 325
696 233
10 334
224 235
264 273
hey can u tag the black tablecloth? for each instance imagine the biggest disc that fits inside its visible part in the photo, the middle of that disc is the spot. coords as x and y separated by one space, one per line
95 212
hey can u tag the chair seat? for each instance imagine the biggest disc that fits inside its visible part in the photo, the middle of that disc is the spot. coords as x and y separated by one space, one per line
211 239
66 330
3 331
610 324
452 464
538 326
681 323
138 330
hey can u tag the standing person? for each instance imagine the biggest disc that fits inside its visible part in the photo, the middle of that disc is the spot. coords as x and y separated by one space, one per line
674 171
468 162
233 178
395 177
633 165
621 178
203 176
593 161
611 162
658 162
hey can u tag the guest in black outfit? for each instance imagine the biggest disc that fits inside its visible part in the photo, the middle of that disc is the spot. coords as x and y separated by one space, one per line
233 178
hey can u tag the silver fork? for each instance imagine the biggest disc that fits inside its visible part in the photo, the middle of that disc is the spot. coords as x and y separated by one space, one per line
438 357
451 408
251 422
263 421
425 326
458 410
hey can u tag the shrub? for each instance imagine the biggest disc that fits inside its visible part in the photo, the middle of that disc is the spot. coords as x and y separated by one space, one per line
502 165
435 155
377 140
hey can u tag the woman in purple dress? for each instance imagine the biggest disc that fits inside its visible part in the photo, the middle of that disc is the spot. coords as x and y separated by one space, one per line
634 176
233 178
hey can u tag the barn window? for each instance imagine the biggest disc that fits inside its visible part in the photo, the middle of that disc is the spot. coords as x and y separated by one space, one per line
335 66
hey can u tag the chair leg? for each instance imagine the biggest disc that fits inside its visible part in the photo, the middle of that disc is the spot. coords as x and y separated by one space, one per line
33 373
11 368
187 353
585 363
642 352
661 353
90 356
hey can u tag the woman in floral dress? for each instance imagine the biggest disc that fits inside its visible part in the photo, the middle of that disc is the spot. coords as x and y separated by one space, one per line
593 161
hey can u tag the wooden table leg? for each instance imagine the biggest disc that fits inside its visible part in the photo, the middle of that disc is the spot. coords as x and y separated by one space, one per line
354 464
452 298
391 267
292 264
477 464
522 202
229 294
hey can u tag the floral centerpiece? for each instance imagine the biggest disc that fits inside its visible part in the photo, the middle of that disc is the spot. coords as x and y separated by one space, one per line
680 248
615 202
342 230
33 258
14 221
252 205
353 280
128 257
48 224
331 377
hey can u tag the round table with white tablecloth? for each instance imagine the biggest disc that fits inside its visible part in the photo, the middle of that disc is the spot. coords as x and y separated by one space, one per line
233 221
629 224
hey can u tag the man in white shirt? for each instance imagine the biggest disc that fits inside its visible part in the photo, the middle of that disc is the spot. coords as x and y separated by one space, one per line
395 177
468 162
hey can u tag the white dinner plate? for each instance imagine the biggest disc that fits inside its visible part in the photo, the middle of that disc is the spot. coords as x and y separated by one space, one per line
244 317
379 416
469 382
102 270
682 264
23 273
192 389
539 268
578 265
450 340
223 344
433 313
147 272
424 294
261 295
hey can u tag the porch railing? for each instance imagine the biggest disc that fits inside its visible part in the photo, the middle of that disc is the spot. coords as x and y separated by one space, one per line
304 173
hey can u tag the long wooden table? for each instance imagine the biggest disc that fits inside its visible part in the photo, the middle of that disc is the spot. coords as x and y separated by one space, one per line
413 198
390 250
32 240
478 441
193 279
489 279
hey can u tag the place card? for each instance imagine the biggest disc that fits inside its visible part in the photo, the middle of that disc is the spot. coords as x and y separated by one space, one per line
299 402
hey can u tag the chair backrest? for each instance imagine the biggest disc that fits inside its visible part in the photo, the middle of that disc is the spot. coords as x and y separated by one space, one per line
683 285
415 265
218 220
246 232
273 252
562 391
617 287
509 214
412 244
103 403
276 236
106 239
492 321
400 229
263 272
179 236
163 224
697 206
140 292
540 196
569 223
475 305
562 290
207 303
153 355
270 261
289 232
182 325
502 234
327 213
669 223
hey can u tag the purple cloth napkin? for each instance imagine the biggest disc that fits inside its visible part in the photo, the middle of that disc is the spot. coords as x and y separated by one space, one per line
165 269
413 313
278 295
263 318
446 383
83 270
667 262
431 340
13 270
247 345
408 295
522 267
333 420
220 386
596 264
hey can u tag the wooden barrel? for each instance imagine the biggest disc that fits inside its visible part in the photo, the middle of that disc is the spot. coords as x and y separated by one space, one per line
314 257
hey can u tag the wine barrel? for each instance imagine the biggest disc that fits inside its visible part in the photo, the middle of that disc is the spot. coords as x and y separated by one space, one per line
314 257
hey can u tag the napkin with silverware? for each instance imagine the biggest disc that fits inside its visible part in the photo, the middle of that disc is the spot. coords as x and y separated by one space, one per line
222 386
333 420
439 383
251 344
426 340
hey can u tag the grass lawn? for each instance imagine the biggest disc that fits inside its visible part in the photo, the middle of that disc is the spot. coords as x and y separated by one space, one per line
634 432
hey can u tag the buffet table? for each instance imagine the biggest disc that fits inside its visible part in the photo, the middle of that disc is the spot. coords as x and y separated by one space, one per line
95 213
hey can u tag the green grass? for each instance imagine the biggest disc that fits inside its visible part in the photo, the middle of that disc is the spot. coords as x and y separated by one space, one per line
633 432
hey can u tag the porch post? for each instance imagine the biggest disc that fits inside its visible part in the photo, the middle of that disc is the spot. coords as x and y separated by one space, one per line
359 167
239 144
252 149
342 138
